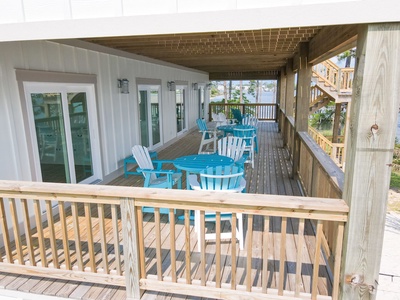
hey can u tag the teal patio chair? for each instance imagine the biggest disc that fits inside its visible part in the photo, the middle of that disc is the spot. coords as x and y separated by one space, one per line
248 134
219 179
237 114
155 177
208 137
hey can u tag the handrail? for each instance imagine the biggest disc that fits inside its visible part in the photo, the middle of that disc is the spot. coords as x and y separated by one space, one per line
106 210
334 150
341 79
262 111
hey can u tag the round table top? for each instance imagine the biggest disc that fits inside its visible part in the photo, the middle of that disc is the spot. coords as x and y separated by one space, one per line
198 162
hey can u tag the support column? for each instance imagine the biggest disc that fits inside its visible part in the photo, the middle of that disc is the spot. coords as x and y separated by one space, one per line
372 130
289 101
282 99
302 102
336 123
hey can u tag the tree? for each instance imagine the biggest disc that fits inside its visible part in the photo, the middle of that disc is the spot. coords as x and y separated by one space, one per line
347 55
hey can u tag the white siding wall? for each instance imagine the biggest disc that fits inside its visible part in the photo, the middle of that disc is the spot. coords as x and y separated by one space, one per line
117 112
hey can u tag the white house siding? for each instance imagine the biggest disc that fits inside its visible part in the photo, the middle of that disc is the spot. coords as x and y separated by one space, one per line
117 113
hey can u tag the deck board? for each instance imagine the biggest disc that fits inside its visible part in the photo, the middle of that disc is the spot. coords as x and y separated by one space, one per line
271 175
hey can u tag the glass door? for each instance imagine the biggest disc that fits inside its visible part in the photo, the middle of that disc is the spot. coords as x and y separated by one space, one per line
149 115
180 109
60 120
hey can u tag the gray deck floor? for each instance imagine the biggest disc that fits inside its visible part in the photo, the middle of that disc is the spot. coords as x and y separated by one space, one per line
271 175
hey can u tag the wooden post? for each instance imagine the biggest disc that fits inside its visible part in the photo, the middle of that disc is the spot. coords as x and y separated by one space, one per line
336 123
371 138
282 100
131 248
302 102
289 97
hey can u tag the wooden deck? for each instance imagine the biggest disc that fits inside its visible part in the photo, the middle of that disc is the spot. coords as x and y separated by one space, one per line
271 175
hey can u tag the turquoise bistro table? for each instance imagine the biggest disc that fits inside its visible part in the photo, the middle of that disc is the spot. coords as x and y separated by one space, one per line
198 162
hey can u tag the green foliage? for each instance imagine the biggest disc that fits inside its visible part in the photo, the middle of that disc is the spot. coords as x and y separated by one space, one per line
395 180
322 119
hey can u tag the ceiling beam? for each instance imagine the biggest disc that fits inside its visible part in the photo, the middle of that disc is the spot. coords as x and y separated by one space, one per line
331 41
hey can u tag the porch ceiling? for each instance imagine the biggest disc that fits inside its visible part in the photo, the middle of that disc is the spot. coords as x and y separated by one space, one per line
247 54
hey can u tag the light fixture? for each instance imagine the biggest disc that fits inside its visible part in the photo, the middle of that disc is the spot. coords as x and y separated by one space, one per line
209 85
171 86
195 86
123 85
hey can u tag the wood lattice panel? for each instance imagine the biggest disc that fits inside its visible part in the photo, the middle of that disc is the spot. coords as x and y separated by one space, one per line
258 53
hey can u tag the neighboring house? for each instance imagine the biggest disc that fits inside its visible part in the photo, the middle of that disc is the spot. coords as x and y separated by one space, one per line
58 57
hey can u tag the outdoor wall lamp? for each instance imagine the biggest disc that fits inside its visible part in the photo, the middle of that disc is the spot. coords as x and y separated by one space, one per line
195 86
123 85
171 86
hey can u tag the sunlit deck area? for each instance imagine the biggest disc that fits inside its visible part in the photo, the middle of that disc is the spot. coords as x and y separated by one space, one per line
274 237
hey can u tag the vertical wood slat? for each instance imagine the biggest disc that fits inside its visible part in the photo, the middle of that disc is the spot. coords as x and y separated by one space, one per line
6 235
202 248
218 250
300 241
103 237
89 232
142 264
172 244
249 251
64 231
282 257
28 232
187 247
131 248
233 252
39 229
318 242
117 251
157 228
77 235
338 260
17 234
265 255
50 225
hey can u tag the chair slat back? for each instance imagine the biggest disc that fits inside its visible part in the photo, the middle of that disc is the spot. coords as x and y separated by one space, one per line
246 132
143 158
250 120
221 178
237 114
201 123
232 147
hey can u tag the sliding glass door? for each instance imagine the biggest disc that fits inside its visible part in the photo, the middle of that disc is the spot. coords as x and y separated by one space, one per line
60 121
149 115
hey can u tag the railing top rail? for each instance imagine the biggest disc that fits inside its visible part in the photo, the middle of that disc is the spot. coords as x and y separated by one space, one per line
312 208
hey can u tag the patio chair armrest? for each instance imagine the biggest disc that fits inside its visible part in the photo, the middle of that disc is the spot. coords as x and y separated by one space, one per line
158 163
194 184
157 171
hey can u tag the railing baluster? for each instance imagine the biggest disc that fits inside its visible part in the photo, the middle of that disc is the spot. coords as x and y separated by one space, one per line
50 225
299 262
39 229
338 260
158 242
4 230
172 243
202 248
187 248
233 252
77 235
64 232
89 230
218 250
142 253
17 235
103 238
28 233
282 256
318 242
249 252
265 254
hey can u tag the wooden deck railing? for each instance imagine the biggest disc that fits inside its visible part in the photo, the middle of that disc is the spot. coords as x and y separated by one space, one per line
341 79
334 150
262 111
84 241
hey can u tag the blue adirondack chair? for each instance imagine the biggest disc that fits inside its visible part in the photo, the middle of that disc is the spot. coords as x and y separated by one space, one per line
248 134
222 179
207 137
155 177
237 114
